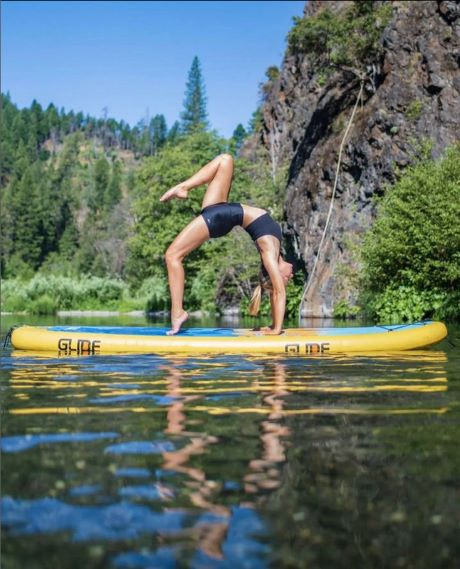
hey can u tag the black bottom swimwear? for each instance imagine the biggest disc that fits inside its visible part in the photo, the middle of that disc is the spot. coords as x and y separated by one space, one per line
221 218
264 225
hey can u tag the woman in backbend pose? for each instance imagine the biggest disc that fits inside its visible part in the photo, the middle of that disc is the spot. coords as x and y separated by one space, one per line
217 218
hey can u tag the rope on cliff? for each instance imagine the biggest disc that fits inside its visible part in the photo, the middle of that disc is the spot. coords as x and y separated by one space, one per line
350 122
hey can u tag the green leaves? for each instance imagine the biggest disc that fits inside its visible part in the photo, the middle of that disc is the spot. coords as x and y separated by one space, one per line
349 37
412 253
403 303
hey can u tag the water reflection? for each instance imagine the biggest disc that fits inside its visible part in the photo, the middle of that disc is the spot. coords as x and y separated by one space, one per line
152 461
207 507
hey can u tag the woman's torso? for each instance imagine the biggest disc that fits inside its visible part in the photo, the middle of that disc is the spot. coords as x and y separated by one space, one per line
250 214
222 217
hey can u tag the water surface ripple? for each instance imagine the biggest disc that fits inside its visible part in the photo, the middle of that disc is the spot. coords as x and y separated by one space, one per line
144 461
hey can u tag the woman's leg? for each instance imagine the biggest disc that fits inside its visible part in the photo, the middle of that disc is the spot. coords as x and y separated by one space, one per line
219 186
217 173
191 237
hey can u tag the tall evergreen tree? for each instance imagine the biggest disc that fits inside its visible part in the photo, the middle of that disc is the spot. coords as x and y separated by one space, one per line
174 133
194 115
101 181
7 143
28 234
255 122
113 190
158 132
239 134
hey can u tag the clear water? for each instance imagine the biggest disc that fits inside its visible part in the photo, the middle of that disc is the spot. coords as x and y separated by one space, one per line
146 461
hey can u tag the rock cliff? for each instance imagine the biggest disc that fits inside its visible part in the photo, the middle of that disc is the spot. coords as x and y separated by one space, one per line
411 95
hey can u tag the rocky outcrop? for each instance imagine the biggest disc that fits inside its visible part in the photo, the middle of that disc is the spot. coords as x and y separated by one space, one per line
411 95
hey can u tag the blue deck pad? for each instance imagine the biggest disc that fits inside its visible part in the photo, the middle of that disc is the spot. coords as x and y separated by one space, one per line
369 329
143 330
223 332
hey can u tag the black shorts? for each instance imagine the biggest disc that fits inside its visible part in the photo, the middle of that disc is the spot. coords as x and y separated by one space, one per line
264 225
221 218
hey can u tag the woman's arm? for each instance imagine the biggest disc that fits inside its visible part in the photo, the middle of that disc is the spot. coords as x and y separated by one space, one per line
277 295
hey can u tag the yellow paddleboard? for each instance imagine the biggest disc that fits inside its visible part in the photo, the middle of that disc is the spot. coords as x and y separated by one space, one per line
82 340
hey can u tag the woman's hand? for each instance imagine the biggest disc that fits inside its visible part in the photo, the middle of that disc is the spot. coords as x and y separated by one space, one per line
178 191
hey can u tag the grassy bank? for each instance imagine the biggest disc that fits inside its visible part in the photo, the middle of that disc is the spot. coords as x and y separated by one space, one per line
48 294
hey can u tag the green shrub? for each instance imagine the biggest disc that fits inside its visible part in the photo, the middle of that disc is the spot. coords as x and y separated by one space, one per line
349 37
411 255
14 298
87 293
154 294
414 110
344 310
43 305
203 289
294 293
402 303
272 73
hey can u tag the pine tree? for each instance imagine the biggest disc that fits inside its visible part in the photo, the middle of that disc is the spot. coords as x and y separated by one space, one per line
28 231
255 122
7 145
113 190
194 116
173 133
52 124
38 118
158 132
68 244
101 181
239 134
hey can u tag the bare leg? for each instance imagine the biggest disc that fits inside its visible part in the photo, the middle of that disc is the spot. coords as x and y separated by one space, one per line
218 174
188 239
219 186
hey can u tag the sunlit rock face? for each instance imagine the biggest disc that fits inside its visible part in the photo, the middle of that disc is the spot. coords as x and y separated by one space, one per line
411 95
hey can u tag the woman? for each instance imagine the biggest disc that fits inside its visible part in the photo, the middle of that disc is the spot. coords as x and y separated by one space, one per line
218 217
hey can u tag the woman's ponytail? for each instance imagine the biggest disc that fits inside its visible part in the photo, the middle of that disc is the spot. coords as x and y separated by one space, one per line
264 284
254 305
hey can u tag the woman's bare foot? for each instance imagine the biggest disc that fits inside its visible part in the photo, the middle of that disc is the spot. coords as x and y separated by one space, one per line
271 331
178 191
176 323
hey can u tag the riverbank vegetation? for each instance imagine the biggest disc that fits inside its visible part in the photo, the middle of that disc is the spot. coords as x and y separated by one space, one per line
411 255
48 294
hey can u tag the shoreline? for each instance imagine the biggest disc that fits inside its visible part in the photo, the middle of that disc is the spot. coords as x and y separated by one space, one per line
108 313
140 313
85 313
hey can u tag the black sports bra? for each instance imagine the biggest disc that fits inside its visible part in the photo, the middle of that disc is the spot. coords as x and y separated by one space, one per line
264 225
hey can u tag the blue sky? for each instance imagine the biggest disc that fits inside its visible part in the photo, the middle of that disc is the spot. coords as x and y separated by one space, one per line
133 57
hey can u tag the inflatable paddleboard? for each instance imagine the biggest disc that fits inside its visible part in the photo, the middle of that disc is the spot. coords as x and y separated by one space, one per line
83 340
